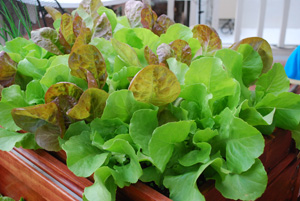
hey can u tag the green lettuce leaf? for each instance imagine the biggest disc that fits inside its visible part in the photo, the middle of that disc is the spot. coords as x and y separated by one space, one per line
178 68
104 188
104 130
275 82
176 31
83 159
248 185
163 141
239 142
8 139
252 64
35 93
12 97
262 47
287 106
121 104
210 72
33 67
141 127
125 173
127 53
188 180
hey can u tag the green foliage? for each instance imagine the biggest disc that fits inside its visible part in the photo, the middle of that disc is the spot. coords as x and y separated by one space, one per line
10 29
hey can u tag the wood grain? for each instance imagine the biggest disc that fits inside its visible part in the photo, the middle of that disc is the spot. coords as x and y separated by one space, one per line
34 179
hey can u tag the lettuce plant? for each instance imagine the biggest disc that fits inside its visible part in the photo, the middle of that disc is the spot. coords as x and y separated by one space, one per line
139 97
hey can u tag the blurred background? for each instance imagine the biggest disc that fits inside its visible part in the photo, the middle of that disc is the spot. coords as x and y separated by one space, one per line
277 21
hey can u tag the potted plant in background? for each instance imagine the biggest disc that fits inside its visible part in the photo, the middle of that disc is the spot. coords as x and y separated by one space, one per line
139 97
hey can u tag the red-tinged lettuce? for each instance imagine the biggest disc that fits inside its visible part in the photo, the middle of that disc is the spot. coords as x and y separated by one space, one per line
208 38
63 89
48 39
103 28
91 7
86 58
155 84
133 11
162 24
55 14
8 69
262 47
150 56
178 49
45 121
90 105
66 34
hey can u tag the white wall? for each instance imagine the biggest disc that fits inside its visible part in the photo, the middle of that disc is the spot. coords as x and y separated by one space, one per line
273 14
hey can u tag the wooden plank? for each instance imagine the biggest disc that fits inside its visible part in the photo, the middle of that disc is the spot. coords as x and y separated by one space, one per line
142 192
278 144
12 187
56 169
37 181
283 186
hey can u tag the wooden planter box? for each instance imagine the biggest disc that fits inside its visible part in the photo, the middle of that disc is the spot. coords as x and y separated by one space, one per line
38 175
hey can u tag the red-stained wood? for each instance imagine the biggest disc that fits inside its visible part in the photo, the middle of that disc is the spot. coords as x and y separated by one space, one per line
283 186
11 186
56 169
142 192
34 179
277 147
279 158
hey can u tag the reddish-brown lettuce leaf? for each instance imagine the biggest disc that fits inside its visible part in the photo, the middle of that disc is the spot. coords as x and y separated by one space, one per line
150 56
133 12
182 51
47 38
45 120
65 95
91 7
8 69
46 137
88 58
55 14
164 52
83 38
148 17
63 89
208 38
90 105
262 47
92 82
155 84
66 29
163 22
78 23
66 46
103 28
